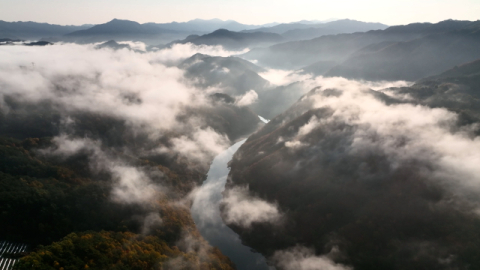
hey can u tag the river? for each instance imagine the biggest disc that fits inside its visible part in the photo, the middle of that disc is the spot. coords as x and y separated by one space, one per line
206 213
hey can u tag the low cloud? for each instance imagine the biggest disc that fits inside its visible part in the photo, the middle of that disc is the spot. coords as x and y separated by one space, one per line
379 85
131 185
402 132
295 144
249 98
137 88
201 145
135 45
280 77
302 258
205 203
287 86
304 130
243 209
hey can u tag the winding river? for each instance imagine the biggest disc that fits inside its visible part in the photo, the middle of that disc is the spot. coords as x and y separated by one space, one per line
206 213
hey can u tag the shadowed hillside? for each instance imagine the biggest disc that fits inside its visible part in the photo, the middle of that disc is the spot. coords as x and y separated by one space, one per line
371 175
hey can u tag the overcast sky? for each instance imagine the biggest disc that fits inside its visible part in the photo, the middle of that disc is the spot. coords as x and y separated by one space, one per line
390 12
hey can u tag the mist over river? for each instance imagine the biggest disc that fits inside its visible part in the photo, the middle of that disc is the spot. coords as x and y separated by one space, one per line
206 213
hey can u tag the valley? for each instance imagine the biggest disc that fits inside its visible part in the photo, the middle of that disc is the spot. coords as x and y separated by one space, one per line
142 145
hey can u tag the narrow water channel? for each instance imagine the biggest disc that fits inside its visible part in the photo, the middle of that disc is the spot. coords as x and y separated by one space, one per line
206 213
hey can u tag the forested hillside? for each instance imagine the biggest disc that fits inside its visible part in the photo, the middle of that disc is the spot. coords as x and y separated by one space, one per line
371 179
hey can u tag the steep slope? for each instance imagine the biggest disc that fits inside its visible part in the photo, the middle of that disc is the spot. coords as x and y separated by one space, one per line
373 178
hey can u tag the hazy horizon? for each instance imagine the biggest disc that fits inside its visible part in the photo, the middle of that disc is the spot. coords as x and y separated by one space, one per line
259 12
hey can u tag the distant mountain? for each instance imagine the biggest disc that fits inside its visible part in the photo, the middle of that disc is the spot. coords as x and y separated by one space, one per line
330 28
33 30
123 30
338 48
308 30
316 21
354 26
18 42
414 59
8 41
281 28
39 43
233 40
204 26
151 33
154 33
120 27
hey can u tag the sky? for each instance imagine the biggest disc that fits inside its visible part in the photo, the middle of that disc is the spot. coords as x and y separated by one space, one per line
391 12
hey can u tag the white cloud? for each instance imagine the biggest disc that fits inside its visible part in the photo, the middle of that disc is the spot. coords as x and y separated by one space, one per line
201 145
302 258
131 185
243 209
295 144
135 87
426 134
247 99
283 77
135 45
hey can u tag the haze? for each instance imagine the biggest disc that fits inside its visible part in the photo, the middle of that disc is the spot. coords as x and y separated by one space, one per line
246 11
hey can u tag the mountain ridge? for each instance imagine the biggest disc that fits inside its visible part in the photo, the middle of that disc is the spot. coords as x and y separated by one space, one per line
337 48
231 40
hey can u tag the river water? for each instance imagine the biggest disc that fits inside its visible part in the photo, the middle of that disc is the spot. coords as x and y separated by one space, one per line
206 213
